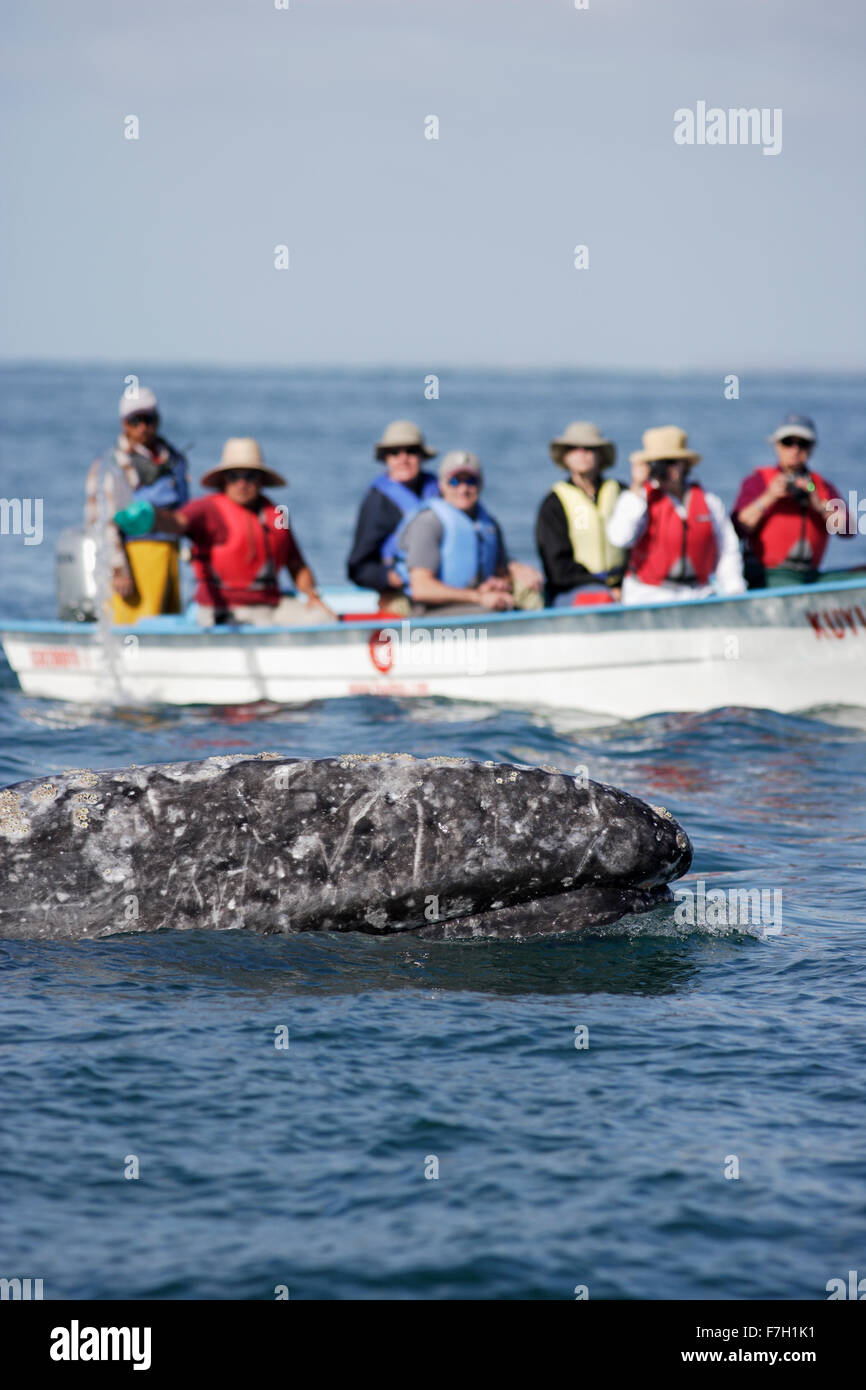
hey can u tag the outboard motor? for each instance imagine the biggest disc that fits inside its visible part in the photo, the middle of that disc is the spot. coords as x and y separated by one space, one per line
75 576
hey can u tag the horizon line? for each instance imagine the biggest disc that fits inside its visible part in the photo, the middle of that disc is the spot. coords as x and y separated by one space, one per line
205 364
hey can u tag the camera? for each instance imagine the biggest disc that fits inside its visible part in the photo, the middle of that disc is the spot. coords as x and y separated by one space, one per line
659 470
795 492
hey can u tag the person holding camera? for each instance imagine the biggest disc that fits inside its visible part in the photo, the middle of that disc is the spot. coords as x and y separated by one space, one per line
781 513
680 540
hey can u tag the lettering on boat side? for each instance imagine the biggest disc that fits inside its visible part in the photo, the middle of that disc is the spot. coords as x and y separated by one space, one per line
389 688
837 622
55 656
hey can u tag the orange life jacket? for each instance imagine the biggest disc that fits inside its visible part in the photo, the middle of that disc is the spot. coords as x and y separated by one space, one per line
244 567
669 540
787 523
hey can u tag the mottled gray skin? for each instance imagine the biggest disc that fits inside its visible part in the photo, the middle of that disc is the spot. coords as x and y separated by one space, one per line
438 847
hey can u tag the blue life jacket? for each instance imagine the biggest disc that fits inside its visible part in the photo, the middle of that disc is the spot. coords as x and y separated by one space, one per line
470 551
409 503
170 489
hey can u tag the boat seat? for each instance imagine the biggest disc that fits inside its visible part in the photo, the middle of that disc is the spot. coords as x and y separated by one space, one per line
591 598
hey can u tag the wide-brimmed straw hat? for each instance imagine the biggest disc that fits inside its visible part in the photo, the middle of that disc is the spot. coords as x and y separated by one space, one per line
581 434
242 453
665 442
403 434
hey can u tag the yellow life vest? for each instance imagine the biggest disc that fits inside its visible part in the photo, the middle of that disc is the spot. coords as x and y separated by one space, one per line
587 526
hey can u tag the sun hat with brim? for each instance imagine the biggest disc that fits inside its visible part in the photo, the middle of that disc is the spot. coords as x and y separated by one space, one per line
242 453
798 427
402 434
665 442
581 434
459 461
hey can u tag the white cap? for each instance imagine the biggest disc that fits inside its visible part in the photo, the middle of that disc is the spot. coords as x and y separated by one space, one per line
137 402
459 459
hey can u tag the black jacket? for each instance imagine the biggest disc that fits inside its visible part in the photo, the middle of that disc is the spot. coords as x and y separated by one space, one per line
561 570
378 517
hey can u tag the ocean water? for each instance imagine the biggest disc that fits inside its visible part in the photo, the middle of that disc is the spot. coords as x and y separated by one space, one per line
708 1142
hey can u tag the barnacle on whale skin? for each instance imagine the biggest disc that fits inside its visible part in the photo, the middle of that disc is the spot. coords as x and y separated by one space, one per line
46 792
14 825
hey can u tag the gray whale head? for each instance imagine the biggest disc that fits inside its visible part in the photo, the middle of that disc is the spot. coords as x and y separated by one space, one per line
383 843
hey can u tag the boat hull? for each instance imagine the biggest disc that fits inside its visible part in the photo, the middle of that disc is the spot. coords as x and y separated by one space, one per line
784 649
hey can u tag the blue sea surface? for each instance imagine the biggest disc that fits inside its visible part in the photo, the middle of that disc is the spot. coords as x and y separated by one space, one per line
708 1142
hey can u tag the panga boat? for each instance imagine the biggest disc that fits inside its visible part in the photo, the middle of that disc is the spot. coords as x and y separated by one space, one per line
785 649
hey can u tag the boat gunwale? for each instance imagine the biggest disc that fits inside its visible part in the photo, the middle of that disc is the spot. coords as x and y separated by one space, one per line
176 627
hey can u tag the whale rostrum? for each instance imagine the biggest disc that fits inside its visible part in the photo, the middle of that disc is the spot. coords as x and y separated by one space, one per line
439 847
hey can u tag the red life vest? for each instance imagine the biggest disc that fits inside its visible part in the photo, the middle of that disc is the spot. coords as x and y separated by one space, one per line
787 523
242 568
669 540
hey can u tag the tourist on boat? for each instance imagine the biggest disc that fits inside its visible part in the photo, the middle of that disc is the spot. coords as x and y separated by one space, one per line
397 493
141 464
580 562
451 555
782 512
241 542
680 540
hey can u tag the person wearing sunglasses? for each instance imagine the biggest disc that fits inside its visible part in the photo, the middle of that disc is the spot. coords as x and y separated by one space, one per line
399 491
451 554
680 540
241 542
781 512
145 576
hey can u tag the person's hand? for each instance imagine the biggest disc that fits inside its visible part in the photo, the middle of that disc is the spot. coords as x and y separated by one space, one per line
640 471
494 599
315 602
526 575
496 584
777 488
394 580
616 593
123 583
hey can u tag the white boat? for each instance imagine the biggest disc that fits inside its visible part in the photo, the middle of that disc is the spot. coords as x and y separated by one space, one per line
785 649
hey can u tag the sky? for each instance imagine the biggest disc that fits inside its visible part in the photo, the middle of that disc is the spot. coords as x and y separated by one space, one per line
304 127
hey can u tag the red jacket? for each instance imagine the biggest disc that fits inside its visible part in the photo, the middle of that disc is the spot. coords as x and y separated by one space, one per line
786 523
668 539
238 552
